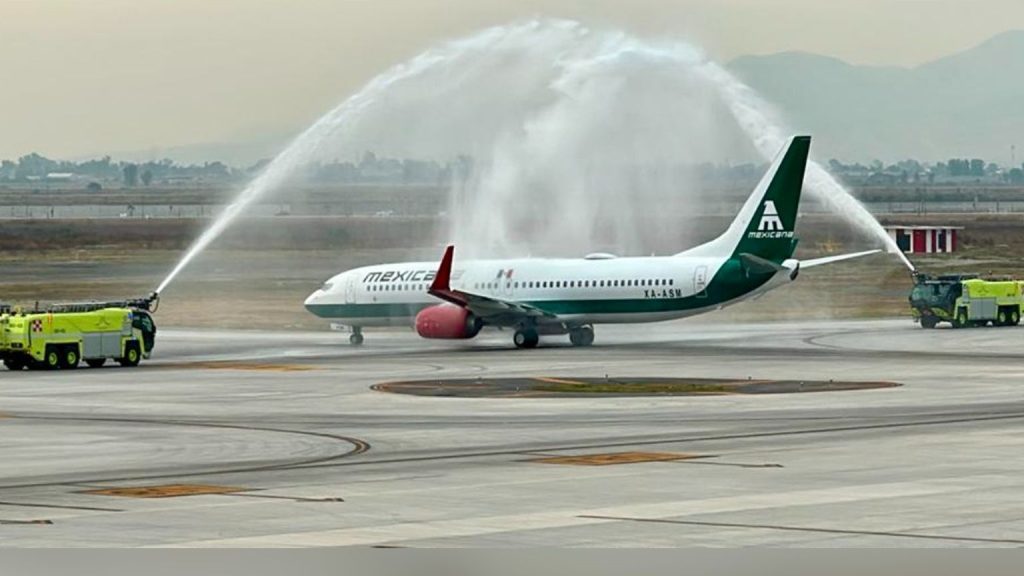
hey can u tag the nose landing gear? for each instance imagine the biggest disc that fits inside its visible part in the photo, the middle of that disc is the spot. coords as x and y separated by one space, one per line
356 339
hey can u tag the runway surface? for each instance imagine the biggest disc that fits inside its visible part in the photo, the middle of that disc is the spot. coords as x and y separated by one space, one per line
284 443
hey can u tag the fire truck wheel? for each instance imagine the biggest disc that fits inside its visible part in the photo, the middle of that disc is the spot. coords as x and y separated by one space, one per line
51 358
69 357
1014 317
960 320
929 321
96 362
131 355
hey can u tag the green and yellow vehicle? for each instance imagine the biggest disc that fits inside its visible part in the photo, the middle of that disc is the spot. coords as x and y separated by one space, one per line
61 336
965 300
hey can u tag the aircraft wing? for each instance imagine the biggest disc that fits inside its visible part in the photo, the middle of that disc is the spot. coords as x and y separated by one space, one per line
485 307
837 258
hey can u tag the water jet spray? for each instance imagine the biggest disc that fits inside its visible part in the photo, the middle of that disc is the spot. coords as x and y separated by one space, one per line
548 107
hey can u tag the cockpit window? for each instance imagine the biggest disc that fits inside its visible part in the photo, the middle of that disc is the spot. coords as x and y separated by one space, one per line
327 287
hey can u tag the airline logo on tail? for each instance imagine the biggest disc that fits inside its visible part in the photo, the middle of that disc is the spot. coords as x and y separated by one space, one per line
770 225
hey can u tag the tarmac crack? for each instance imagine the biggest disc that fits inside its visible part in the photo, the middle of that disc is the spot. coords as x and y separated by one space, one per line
362 446
358 447
684 440
781 527
281 497
734 464
59 506
822 347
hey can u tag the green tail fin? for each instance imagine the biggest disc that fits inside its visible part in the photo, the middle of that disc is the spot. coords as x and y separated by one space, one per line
769 216
764 226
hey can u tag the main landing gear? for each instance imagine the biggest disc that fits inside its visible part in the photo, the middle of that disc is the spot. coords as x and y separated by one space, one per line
582 336
526 337
356 339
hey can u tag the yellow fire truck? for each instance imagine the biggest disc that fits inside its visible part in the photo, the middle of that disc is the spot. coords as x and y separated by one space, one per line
62 335
965 300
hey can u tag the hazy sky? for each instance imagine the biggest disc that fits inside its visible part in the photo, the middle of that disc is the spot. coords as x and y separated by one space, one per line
84 77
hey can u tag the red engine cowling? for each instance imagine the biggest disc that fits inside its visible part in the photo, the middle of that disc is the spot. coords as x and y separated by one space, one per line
448 322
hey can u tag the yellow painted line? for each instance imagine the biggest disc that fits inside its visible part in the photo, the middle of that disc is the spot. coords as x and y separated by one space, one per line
559 381
164 490
614 458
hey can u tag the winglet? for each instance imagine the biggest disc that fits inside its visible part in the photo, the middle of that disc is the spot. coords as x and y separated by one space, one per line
444 271
441 286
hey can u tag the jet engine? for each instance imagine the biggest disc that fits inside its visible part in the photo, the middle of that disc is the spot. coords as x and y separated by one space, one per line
447 322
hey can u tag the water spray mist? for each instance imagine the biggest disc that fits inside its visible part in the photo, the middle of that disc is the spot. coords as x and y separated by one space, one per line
557 117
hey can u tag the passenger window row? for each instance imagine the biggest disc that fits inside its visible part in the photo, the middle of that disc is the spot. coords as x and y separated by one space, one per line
397 287
579 284
647 282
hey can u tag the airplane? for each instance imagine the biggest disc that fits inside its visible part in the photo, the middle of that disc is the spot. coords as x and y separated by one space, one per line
558 296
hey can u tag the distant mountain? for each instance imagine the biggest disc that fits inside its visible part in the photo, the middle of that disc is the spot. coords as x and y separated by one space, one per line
966 104
239 154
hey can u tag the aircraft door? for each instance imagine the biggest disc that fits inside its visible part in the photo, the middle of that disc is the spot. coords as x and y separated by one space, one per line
350 289
700 282
506 284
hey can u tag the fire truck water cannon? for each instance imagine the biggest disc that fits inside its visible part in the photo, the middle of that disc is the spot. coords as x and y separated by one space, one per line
148 303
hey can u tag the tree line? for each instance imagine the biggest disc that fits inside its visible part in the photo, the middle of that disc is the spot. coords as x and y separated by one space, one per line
371 168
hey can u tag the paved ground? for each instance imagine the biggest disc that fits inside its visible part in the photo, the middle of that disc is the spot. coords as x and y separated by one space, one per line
289 420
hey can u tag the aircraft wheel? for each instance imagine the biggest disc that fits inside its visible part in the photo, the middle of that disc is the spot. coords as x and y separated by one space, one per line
526 338
583 336
356 339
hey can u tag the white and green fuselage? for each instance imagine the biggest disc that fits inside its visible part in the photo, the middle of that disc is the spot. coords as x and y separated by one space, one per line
593 290
569 295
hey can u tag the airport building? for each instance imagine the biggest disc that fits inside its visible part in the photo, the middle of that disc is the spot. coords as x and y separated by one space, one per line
925 239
